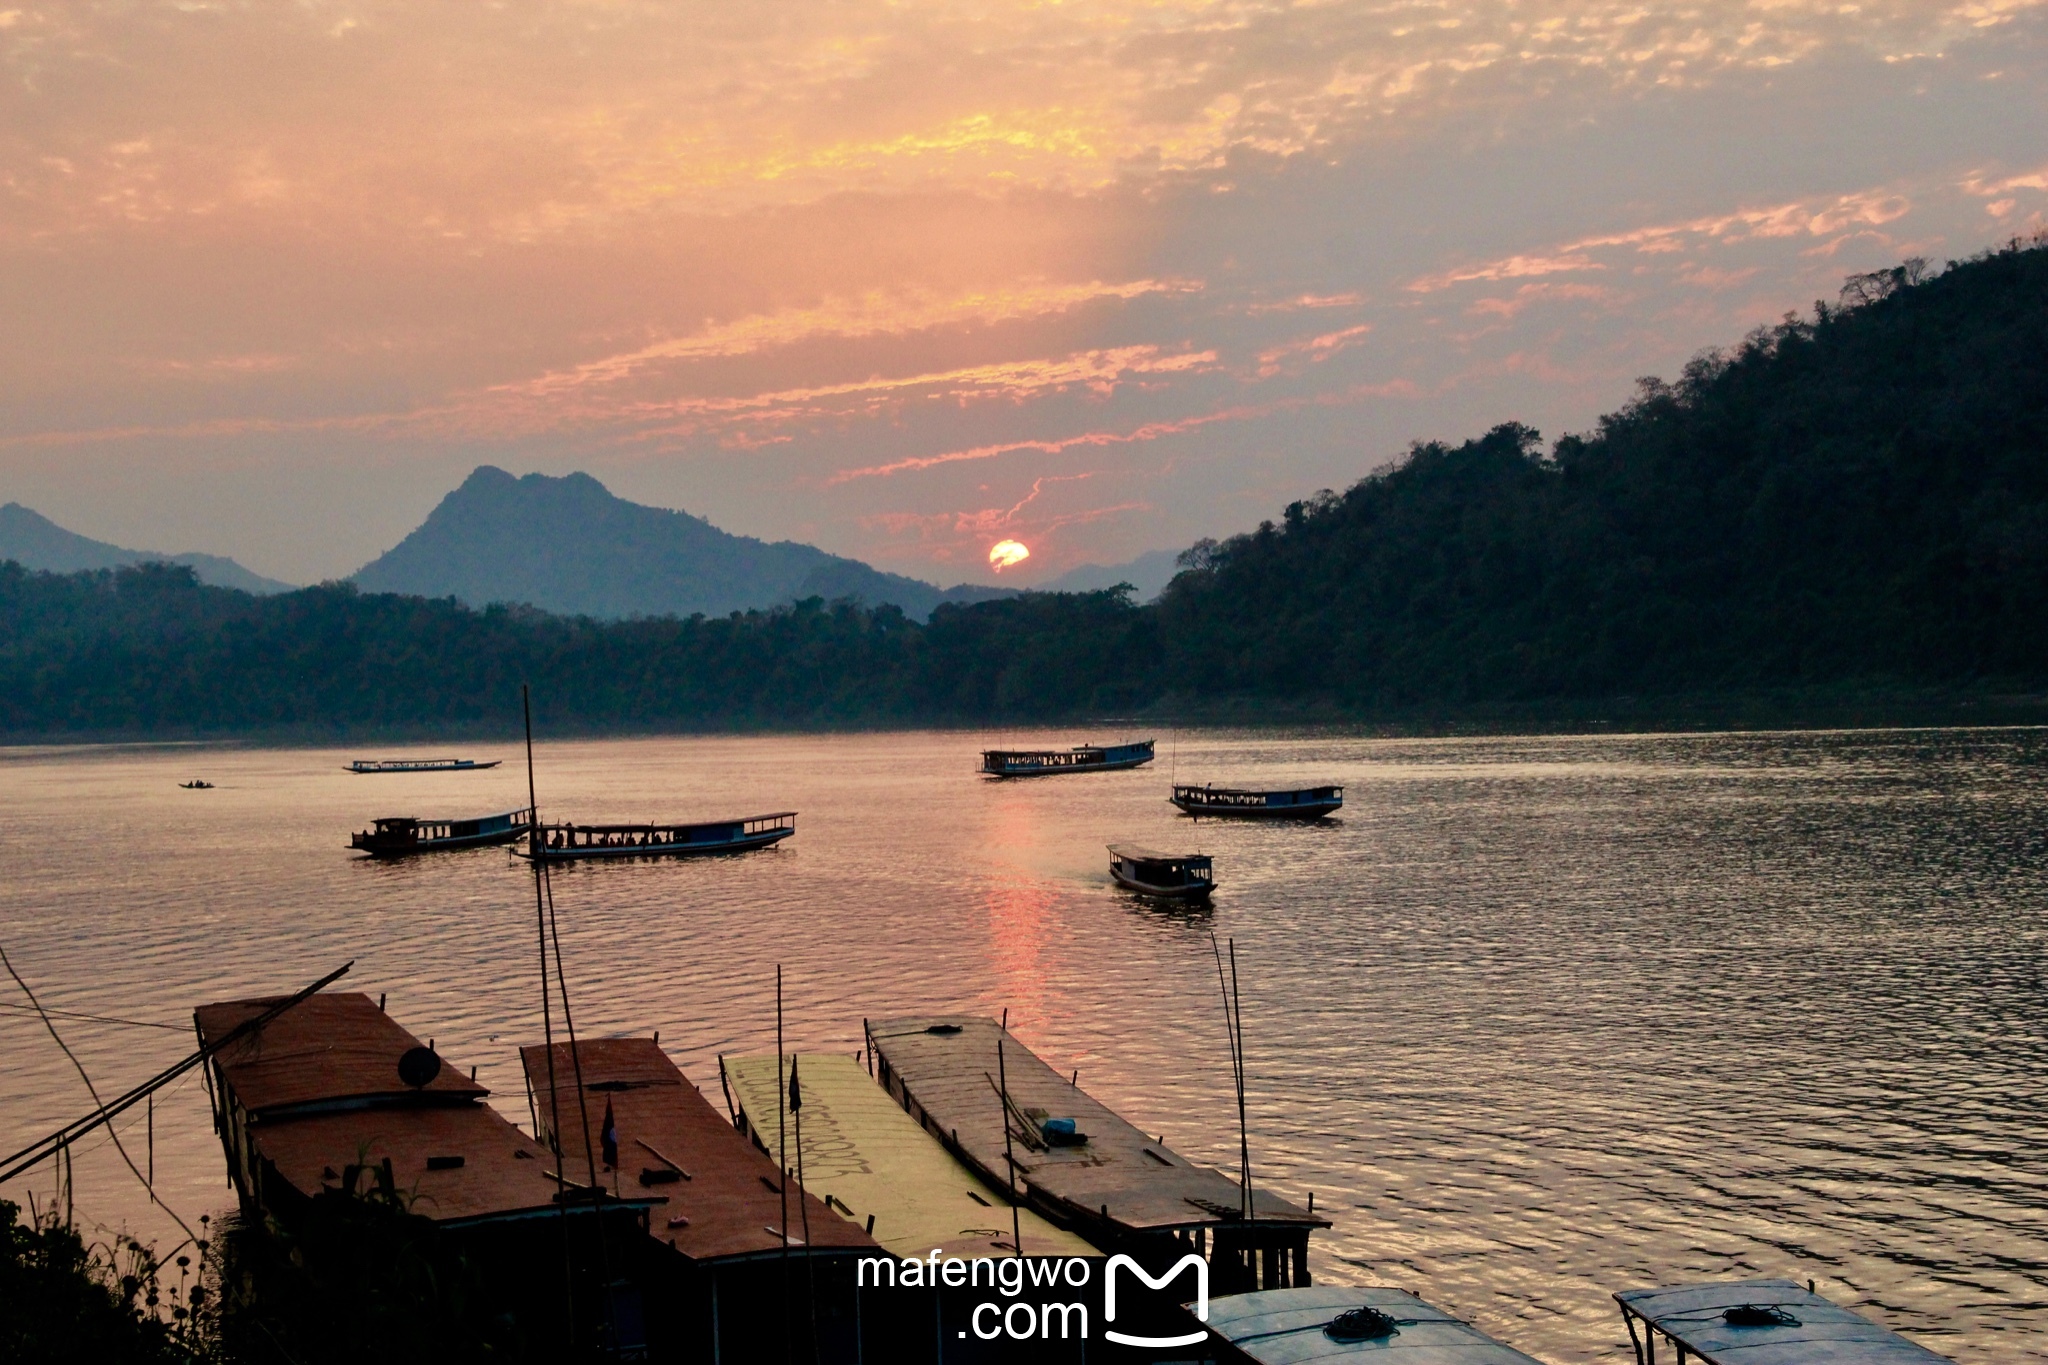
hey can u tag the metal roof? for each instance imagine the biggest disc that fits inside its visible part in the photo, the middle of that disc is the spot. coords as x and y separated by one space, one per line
872 1158
727 1202
1147 855
1821 1333
1285 1327
332 1048
503 1173
946 1067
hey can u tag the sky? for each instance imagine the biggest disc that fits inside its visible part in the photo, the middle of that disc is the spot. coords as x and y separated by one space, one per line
907 280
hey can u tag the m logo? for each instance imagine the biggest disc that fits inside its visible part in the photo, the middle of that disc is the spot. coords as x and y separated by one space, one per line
1201 1298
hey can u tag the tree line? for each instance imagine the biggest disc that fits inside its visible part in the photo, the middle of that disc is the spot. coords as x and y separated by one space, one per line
1858 496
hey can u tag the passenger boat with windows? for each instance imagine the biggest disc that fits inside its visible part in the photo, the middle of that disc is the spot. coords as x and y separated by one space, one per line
1082 758
571 842
399 836
1300 803
421 765
1179 876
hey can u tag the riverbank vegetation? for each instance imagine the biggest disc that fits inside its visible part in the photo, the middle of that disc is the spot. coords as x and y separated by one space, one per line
1851 503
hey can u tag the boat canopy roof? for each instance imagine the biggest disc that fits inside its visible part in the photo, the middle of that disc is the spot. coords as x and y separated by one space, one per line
333 1048
944 1067
869 1156
1148 855
1208 789
1811 1330
1285 1327
727 1190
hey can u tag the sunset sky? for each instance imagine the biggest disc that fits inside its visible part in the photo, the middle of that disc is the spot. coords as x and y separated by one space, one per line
907 280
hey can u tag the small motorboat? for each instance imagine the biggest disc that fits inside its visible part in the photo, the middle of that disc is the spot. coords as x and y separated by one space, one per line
197 784
570 842
1178 876
421 765
1299 803
1082 758
398 836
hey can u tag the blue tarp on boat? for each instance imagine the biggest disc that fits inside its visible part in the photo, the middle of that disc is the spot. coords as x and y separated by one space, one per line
1812 1331
1287 1327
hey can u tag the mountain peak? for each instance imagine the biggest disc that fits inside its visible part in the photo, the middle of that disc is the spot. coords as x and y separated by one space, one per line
566 543
35 542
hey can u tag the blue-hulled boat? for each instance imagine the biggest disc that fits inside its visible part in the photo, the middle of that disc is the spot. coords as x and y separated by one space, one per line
571 842
1299 803
399 836
1082 758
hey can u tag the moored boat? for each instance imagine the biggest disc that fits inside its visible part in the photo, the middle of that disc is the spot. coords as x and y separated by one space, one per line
420 765
570 841
1760 1322
1299 803
397 836
1082 758
1181 876
1000 1108
1332 1323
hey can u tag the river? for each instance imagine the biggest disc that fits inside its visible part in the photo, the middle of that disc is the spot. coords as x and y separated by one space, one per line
1537 1019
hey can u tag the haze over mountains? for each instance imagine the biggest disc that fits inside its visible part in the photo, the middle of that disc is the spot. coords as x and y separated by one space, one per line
568 545
34 541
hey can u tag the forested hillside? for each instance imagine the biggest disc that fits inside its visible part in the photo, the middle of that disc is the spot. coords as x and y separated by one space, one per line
1861 495
1856 499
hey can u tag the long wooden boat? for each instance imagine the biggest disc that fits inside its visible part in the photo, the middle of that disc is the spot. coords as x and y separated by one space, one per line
1078 1162
1299 803
1760 1322
570 842
867 1158
1332 1324
399 836
1082 758
421 765
1179 876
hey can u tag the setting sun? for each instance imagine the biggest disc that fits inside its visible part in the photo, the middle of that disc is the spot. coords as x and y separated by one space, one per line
1005 553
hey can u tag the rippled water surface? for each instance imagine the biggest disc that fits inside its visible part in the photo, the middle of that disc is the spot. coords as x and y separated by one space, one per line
1536 1020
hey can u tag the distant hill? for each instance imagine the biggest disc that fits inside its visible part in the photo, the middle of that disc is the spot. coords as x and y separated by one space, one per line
1853 498
35 542
1149 574
568 545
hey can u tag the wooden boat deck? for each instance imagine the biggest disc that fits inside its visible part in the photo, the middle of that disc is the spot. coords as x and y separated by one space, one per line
723 1200
1694 1319
1118 1184
314 1100
1285 1327
867 1157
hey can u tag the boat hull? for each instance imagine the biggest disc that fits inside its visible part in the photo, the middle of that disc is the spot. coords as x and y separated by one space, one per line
366 769
1192 891
1052 762
395 849
1237 803
568 843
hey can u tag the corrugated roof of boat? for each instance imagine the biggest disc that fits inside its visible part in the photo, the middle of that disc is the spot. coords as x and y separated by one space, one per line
1285 1327
504 1173
730 1199
333 1046
1149 855
1824 1331
870 1156
950 1077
